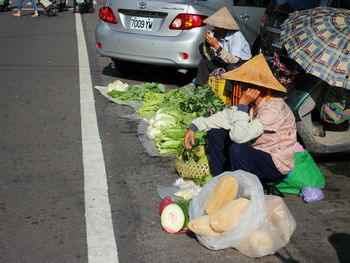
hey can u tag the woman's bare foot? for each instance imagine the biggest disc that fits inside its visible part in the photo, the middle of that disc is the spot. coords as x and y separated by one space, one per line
17 14
35 14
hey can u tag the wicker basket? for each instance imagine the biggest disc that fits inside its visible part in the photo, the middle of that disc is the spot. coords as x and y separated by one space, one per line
190 170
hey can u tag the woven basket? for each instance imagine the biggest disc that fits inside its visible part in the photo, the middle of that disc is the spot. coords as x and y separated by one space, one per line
191 170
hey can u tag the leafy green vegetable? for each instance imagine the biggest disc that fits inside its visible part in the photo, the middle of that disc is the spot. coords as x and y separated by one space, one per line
203 180
137 92
171 113
203 101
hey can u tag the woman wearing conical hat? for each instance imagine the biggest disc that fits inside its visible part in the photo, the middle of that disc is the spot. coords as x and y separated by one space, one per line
258 135
225 48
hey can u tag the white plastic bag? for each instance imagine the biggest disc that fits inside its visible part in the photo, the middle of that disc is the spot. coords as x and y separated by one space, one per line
274 232
256 223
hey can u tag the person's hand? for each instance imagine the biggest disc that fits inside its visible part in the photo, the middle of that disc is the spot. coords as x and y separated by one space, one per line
212 41
189 135
249 96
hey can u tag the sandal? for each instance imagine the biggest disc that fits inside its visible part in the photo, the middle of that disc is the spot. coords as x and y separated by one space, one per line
17 14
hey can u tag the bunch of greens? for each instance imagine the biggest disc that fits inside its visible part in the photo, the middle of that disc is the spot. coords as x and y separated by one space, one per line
167 128
137 92
203 101
173 99
189 155
169 114
203 180
150 104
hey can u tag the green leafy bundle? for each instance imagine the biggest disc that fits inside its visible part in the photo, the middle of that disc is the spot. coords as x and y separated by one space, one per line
203 101
137 92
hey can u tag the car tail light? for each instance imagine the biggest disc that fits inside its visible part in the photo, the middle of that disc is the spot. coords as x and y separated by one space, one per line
187 21
99 45
107 15
184 56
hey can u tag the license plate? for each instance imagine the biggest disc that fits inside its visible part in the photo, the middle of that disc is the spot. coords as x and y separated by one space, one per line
141 23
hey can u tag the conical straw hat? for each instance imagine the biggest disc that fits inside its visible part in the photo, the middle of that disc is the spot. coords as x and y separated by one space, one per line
255 71
223 19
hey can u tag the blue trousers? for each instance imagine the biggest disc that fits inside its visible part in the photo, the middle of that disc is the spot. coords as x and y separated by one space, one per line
19 7
226 155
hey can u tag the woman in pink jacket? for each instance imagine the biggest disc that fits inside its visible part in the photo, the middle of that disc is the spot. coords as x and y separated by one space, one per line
259 134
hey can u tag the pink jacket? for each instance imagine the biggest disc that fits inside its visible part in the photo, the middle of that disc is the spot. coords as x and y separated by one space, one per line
269 127
279 136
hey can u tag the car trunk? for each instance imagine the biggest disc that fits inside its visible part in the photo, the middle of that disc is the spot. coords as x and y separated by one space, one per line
146 17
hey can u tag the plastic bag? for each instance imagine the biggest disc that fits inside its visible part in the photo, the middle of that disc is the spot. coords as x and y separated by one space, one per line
185 189
304 173
273 234
217 73
259 222
250 218
311 194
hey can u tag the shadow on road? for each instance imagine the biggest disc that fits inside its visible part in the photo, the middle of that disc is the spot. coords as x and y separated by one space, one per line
150 73
284 259
341 244
337 163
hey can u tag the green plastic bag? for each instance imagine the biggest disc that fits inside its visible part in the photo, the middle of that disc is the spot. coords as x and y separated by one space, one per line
304 173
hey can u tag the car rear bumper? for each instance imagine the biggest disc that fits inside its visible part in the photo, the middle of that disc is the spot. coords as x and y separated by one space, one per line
157 50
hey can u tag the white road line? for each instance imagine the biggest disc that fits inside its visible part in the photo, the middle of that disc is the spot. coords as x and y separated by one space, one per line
101 244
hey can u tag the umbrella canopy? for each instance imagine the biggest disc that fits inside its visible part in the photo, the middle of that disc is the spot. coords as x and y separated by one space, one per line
318 40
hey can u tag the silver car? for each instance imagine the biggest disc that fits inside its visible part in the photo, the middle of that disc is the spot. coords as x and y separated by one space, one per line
167 32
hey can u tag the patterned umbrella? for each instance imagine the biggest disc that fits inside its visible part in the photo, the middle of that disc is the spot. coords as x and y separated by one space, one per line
318 39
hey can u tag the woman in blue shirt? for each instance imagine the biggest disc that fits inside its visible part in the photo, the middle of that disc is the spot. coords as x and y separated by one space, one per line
226 47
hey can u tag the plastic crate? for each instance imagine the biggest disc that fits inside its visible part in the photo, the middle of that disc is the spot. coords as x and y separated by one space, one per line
218 86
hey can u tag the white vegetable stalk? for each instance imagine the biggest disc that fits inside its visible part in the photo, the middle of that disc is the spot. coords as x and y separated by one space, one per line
152 133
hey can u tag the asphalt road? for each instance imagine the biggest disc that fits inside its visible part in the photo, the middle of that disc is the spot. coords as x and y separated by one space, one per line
42 213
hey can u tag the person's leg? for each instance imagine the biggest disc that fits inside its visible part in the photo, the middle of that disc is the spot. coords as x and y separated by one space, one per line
34 5
260 163
74 6
35 8
19 7
219 143
91 4
205 67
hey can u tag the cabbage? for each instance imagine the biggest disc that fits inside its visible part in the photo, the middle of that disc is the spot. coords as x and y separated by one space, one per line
117 85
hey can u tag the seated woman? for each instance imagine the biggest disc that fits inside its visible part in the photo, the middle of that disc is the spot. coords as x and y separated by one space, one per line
225 48
259 134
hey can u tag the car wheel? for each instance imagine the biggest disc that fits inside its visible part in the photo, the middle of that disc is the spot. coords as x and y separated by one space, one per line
126 67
